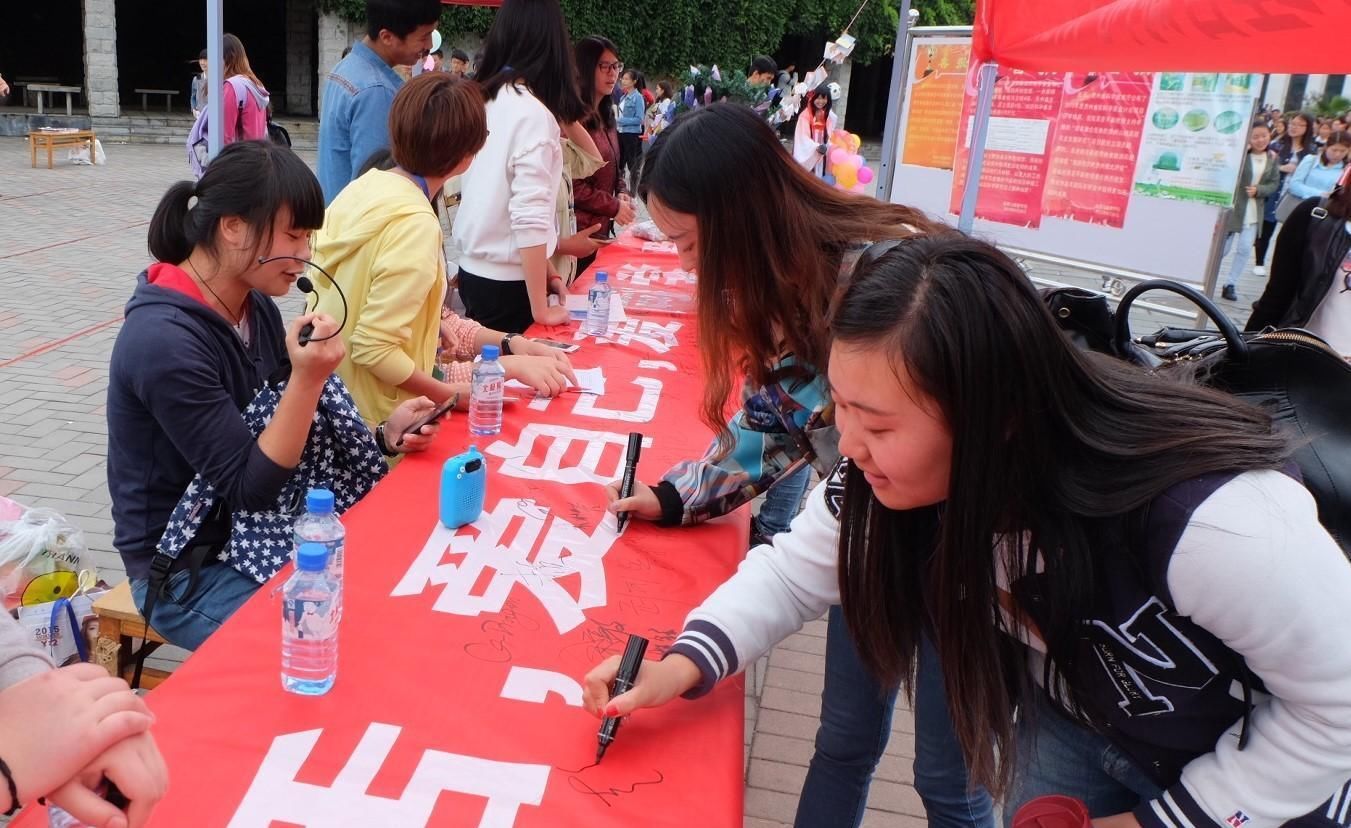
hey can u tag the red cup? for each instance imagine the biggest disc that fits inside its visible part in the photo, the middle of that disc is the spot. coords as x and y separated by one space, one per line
1053 812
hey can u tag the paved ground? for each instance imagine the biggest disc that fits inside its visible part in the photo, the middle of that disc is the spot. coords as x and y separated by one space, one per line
72 240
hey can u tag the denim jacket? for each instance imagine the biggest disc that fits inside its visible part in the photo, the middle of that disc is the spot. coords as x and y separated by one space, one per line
631 108
354 120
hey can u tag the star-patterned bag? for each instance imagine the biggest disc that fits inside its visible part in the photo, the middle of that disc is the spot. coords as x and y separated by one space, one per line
340 455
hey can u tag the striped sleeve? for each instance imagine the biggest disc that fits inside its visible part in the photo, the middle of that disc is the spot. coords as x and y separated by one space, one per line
711 651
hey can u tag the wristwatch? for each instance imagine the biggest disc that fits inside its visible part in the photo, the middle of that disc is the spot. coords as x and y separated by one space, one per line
506 343
380 441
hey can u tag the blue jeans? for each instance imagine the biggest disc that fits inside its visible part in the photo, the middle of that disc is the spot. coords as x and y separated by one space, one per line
1245 237
187 621
855 725
782 502
1058 756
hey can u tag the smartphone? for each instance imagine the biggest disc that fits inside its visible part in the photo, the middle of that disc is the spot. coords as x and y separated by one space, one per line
565 347
435 414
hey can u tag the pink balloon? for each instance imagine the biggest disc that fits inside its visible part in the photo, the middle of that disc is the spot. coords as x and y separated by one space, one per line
857 160
865 175
838 156
860 187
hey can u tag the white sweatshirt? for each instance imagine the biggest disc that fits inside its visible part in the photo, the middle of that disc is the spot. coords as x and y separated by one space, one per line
1253 567
510 189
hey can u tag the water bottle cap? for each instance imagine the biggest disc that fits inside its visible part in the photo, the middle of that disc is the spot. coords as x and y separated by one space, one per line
491 352
602 276
319 501
312 557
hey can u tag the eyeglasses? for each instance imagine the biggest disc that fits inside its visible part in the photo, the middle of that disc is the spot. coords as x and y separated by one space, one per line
615 66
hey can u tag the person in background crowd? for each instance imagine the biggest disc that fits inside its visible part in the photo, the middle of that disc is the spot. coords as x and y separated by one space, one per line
640 83
815 125
1318 172
581 160
1290 149
602 198
437 61
63 731
202 336
245 120
1256 183
1338 125
1324 131
1278 127
763 70
658 114
382 242
459 63
361 88
1310 285
197 91
630 124
768 264
1035 509
4 88
505 225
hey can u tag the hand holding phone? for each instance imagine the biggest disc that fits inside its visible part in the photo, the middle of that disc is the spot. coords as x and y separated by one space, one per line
434 415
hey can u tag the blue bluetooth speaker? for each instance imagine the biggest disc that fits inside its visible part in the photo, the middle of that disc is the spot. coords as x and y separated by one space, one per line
464 482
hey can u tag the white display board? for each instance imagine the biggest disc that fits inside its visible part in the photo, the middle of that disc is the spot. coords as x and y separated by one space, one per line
1160 237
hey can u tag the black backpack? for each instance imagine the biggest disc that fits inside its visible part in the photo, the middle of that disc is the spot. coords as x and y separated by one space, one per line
1293 374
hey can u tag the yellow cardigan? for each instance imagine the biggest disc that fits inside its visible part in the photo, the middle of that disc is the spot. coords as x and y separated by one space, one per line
381 240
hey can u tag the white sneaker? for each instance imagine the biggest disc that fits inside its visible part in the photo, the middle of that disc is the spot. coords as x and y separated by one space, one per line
1259 271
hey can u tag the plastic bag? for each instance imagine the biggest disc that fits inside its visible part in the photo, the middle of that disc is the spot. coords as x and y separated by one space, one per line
41 556
80 154
648 231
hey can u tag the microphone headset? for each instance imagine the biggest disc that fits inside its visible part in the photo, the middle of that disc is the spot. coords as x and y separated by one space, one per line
307 287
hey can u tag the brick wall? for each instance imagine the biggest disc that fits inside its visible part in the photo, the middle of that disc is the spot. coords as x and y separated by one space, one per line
100 57
335 34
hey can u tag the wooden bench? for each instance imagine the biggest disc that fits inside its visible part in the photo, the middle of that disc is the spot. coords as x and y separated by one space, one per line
120 626
52 89
20 85
51 139
168 98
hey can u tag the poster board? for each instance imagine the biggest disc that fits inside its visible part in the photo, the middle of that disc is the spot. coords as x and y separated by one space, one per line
1164 237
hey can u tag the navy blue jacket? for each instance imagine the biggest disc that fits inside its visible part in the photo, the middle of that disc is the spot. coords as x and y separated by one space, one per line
179 378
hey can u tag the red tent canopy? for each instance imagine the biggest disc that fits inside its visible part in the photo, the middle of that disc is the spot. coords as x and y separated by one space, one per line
1266 36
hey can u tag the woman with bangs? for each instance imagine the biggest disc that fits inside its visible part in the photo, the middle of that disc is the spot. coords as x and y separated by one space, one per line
202 335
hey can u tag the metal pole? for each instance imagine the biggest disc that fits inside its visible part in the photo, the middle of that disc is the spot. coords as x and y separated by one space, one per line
215 78
900 61
980 126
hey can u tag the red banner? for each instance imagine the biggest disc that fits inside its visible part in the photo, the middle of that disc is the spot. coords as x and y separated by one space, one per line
1022 128
461 652
1096 143
1283 37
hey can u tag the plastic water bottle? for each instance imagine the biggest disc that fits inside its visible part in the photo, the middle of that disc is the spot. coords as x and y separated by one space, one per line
485 398
598 306
309 624
320 525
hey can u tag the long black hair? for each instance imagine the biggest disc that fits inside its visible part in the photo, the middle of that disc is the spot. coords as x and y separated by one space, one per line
589 51
769 259
1054 450
250 179
529 43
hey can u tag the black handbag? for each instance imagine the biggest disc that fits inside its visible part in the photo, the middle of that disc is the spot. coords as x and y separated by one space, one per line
1291 373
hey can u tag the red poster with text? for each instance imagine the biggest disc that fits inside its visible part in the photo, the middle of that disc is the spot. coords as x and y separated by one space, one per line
1094 149
1022 128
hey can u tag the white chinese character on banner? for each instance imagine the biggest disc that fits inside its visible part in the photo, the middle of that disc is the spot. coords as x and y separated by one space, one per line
276 796
519 542
561 440
647 405
660 337
530 685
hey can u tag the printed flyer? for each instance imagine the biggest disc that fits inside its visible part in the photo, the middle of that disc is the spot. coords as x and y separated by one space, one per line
1195 136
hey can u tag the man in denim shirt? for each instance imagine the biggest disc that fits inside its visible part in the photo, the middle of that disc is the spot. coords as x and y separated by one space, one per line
354 120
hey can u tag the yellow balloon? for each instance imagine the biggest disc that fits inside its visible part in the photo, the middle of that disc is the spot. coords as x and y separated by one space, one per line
846 176
855 141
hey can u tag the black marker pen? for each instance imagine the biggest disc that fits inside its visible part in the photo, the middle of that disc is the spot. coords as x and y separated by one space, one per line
630 471
624 679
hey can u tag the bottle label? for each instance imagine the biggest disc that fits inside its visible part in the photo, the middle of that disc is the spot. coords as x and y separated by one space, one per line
490 387
310 618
